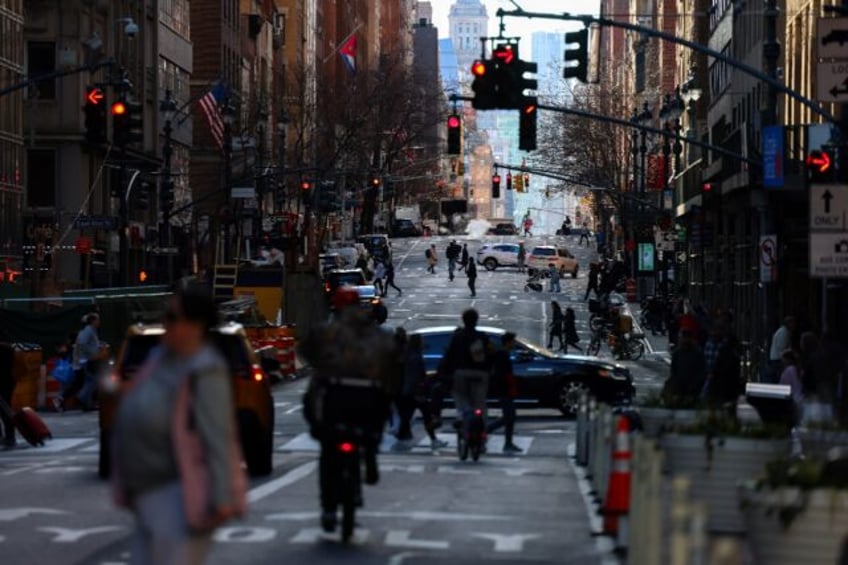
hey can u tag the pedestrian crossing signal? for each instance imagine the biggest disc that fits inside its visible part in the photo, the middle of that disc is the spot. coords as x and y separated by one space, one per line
142 276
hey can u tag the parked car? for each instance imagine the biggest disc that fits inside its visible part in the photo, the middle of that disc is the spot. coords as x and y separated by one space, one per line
349 251
405 228
543 255
503 229
254 404
545 379
497 255
334 279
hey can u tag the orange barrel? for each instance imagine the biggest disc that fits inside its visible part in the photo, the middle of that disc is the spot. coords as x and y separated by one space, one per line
630 290
285 354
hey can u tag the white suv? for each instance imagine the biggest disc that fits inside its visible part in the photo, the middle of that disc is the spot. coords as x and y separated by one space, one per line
543 255
496 255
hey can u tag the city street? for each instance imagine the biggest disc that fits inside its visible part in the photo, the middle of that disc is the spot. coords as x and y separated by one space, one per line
523 509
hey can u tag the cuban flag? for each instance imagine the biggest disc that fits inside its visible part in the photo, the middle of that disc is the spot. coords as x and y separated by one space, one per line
348 52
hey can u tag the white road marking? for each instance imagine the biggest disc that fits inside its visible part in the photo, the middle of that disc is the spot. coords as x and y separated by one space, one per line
507 543
267 489
281 404
63 469
12 514
313 535
401 557
415 515
52 446
457 471
294 409
401 538
244 534
68 535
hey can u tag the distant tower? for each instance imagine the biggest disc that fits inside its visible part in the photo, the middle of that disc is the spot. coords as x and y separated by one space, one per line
468 21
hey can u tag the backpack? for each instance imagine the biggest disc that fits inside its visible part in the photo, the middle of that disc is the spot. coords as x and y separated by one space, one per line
478 350
428 254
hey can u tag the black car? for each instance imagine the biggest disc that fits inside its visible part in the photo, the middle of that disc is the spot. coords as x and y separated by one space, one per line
404 228
545 379
503 229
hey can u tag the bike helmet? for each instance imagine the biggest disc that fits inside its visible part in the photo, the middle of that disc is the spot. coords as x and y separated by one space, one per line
344 296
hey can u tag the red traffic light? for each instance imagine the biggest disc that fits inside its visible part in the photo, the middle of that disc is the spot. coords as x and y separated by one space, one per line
505 54
94 96
375 181
119 109
819 161
496 179
707 187
529 109
305 185
478 68
453 121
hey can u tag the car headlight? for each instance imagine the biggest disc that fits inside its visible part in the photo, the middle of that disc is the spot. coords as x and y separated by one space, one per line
604 373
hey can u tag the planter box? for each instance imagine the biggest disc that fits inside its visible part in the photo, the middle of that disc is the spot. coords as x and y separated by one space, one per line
816 443
654 420
715 476
814 537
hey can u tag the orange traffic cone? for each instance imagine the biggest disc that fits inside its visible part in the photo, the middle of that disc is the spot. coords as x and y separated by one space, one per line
617 501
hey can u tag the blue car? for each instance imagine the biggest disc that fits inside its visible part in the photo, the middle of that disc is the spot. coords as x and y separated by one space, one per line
545 379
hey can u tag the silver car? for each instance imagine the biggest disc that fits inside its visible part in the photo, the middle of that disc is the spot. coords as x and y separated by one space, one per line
494 255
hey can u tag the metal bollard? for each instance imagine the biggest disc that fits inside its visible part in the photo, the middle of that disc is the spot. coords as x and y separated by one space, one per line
582 413
588 433
681 510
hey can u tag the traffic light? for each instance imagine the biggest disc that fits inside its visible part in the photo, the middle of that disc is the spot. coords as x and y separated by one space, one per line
520 83
389 191
526 182
454 135
496 186
142 276
484 85
119 122
141 196
527 125
821 165
509 181
166 197
135 122
576 54
95 114
518 182
127 122
375 182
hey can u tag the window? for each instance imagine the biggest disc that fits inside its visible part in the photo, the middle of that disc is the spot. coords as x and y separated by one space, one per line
719 75
175 14
41 59
640 70
174 79
41 178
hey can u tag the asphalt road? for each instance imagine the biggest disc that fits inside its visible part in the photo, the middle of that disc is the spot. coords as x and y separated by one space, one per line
428 507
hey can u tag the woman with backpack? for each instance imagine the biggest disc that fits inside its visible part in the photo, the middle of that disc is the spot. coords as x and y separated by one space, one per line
555 329
569 330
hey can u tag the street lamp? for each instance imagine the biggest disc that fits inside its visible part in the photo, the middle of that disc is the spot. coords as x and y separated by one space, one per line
168 109
670 113
642 118
228 114
690 95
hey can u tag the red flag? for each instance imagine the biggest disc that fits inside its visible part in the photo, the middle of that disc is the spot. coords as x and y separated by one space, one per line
348 52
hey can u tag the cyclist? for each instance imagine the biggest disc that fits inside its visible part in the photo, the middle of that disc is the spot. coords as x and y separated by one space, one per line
352 359
467 362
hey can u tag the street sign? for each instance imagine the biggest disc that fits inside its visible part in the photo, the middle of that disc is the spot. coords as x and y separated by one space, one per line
828 207
665 240
831 37
768 258
832 81
829 255
163 250
96 222
681 257
242 192
773 156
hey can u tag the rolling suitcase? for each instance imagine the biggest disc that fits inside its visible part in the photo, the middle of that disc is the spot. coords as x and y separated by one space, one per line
31 426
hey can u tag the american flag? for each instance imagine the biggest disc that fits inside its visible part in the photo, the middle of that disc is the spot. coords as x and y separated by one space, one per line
210 103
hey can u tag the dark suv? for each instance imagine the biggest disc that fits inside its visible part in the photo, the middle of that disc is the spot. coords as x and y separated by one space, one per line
252 397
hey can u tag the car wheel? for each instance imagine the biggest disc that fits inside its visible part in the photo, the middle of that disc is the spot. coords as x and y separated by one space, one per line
256 444
531 272
574 273
490 263
570 393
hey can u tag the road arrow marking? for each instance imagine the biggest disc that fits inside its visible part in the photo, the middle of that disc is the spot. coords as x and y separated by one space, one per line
12 514
507 543
69 535
401 538
245 534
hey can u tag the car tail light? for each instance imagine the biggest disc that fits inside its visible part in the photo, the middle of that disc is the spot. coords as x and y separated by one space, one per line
604 373
347 447
478 412
257 373
327 287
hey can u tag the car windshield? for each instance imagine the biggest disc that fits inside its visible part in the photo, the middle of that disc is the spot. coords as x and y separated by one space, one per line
230 346
545 251
353 279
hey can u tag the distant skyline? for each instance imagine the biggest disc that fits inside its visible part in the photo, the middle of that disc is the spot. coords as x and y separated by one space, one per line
520 27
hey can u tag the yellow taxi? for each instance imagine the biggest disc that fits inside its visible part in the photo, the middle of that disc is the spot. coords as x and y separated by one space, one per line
252 396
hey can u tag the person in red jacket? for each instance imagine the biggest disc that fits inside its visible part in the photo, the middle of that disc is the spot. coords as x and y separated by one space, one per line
503 381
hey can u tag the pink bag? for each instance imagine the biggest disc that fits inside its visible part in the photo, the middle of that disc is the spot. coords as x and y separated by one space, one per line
191 459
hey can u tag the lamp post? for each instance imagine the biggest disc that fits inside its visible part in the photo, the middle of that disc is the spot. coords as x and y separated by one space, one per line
168 109
228 114
644 118
690 95
670 113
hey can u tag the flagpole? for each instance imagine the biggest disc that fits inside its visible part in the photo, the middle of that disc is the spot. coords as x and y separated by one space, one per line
206 89
342 42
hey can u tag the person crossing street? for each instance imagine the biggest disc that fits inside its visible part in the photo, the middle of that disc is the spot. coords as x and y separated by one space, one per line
390 280
471 273
452 253
503 381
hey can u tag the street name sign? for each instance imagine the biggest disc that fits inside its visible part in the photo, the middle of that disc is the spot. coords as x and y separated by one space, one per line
96 222
829 255
832 64
828 207
242 192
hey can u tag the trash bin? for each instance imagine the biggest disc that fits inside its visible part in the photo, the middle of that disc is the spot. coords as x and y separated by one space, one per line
772 402
26 372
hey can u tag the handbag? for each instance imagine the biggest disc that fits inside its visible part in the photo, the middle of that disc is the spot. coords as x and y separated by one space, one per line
63 371
194 471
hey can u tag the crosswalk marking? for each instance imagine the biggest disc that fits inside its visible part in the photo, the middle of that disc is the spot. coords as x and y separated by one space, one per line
495 445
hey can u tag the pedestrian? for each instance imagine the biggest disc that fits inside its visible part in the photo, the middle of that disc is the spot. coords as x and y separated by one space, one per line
569 331
177 459
688 370
555 327
390 280
721 357
467 365
503 380
554 275
528 225
522 257
592 285
452 253
7 389
379 275
781 340
396 383
432 259
791 376
89 354
584 234
463 259
415 394
471 273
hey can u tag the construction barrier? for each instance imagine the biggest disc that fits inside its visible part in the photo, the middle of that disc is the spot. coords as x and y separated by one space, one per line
617 500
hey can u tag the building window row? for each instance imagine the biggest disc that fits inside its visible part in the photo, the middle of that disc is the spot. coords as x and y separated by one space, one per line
719 75
717 10
176 15
41 60
175 79
11 43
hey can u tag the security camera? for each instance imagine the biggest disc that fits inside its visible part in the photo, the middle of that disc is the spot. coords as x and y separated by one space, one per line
131 29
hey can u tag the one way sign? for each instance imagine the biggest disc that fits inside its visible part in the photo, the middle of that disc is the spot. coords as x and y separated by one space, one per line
828 207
